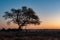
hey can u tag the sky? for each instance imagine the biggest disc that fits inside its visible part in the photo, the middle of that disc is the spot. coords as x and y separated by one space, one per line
47 10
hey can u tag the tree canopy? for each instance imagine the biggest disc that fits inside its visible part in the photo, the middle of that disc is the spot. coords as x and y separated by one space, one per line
22 16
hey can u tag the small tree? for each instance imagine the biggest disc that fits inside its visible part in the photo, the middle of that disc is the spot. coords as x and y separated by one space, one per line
22 17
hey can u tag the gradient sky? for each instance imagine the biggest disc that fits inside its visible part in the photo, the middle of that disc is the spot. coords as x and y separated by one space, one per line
47 10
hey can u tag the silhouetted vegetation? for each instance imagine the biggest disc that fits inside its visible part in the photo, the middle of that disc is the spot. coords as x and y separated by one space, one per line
14 34
31 32
22 17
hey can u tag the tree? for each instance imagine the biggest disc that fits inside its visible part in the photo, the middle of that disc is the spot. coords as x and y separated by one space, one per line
22 17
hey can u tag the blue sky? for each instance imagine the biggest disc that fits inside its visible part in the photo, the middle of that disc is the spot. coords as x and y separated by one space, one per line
47 10
43 7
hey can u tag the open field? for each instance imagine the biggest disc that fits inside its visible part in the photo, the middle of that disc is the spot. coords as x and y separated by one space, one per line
30 35
30 38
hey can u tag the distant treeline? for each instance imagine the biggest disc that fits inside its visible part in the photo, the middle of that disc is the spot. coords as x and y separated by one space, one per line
31 32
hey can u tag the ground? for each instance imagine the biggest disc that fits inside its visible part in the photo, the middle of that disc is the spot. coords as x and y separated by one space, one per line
29 35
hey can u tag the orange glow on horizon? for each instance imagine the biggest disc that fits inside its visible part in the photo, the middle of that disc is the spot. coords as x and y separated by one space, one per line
42 26
49 24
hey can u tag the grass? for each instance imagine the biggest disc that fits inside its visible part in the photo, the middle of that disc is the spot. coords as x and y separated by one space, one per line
29 35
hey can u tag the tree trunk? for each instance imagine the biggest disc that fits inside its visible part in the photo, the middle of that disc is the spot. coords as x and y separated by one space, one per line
20 27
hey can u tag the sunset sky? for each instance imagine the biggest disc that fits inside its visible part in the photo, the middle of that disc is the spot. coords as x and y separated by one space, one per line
47 10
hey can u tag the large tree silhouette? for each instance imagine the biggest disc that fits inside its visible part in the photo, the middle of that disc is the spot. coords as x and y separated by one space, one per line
22 16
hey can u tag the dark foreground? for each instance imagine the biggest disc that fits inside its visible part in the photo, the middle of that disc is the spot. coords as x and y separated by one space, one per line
16 34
